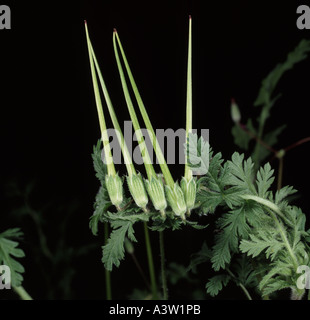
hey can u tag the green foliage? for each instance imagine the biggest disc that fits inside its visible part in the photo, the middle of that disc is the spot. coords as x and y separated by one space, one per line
262 225
260 239
212 190
102 201
122 221
216 284
267 241
266 100
122 225
270 82
242 138
245 274
101 205
202 256
177 272
255 222
233 226
197 153
99 166
9 251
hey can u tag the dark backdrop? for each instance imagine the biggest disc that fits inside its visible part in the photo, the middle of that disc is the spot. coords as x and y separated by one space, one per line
49 122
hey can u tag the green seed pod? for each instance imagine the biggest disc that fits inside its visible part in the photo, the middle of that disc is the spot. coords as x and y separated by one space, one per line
175 198
137 190
189 190
156 191
115 189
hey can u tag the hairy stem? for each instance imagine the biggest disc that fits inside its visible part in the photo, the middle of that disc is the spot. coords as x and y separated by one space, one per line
296 144
108 286
150 262
256 138
272 209
284 238
243 288
42 238
23 294
266 203
280 173
163 268
135 260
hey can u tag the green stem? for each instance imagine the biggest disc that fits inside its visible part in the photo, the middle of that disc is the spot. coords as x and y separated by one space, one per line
280 174
163 269
137 264
284 238
42 238
108 286
243 288
266 203
272 209
23 294
150 261
256 138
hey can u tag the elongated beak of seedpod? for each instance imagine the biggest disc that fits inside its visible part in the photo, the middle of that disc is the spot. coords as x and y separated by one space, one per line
134 181
114 183
154 187
188 183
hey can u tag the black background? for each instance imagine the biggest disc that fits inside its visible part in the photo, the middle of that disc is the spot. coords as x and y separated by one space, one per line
49 122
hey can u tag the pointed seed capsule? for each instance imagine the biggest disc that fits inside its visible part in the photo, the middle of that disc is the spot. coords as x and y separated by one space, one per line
137 190
156 191
114 186
175 198
189 190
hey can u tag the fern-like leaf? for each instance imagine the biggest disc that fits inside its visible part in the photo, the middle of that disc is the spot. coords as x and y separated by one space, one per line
122 224
9 251
233 226
216 284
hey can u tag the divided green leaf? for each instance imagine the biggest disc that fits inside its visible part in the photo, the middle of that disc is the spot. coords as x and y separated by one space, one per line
9 251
